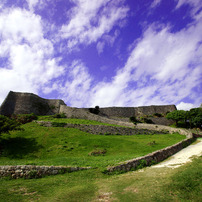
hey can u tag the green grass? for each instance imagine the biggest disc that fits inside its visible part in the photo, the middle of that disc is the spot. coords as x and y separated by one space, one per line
67 146
74 121
151 184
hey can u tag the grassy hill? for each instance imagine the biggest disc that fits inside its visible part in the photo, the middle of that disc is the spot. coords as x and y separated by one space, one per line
40 145
67 146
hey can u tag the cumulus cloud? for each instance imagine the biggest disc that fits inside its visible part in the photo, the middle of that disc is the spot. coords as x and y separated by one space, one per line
30 62
185 106
86 26
163 68
76 89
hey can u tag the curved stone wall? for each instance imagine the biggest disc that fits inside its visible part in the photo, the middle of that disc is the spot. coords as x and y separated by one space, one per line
156 156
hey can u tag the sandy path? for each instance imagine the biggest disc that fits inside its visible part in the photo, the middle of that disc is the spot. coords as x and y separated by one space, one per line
182 156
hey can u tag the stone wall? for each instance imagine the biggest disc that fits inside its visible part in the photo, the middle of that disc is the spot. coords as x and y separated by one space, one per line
31 171
151 158
156 156
136 111
106 130
71 112
27 103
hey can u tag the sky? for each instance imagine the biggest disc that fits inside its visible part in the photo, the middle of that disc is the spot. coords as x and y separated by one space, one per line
103 52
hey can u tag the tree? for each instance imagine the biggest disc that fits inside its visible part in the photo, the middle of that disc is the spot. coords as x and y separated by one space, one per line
195 117
7 124
177 115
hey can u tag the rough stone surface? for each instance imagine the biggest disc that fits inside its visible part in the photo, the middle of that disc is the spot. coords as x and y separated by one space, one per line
26 103
32 171
107 130
136 111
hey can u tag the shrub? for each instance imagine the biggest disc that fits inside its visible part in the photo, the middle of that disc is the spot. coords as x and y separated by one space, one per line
146 120
158 115
56 124
134 120
24 118
7 124
62 115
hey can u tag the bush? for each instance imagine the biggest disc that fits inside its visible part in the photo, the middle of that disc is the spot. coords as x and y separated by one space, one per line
134 120
62 115
158 115
57 124
146 120
24 118
7 124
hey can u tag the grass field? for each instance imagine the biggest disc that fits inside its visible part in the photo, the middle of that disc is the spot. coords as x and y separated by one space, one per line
66 146
151 184
40 145
74 121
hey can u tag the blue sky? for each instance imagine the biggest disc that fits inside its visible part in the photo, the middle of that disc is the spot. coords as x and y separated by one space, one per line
103 52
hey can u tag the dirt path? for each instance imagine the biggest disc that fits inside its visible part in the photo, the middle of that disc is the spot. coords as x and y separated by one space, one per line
183 156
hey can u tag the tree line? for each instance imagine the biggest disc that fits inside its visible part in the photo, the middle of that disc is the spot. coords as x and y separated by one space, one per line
187 119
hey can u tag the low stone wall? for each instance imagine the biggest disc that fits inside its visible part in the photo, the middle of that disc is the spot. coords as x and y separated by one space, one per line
171 130
151 158
31 171
106 130
156 156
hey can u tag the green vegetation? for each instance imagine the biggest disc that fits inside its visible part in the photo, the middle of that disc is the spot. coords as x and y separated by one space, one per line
62 115
152 184
67 146
142 119
73 121
187 119
24 118
40 145
7 124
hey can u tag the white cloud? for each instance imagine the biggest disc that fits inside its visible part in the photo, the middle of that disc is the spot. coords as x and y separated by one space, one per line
100 47
77 88
185 106
86 26
155 3
195 5
163 68
31 64
32 4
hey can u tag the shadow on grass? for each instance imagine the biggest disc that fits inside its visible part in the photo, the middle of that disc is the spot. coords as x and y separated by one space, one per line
18 147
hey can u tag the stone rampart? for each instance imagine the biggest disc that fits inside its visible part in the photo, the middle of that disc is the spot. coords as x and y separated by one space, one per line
136 111
71 112
26 103
32 171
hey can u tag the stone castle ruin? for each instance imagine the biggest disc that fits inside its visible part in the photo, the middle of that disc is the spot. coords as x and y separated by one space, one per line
26 103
